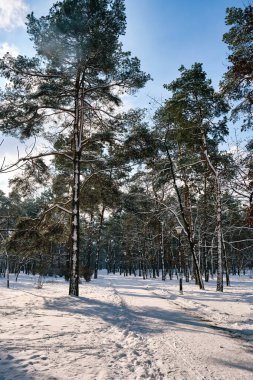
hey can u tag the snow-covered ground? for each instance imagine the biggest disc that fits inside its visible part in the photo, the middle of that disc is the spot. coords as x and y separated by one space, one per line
125 328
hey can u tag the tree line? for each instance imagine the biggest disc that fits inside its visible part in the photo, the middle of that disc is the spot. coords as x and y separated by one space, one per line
113 188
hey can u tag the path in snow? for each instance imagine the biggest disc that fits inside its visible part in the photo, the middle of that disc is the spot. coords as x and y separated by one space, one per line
190 347
118 329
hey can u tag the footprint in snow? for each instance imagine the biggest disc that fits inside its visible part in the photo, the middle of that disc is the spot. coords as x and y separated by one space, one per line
9 357
34 356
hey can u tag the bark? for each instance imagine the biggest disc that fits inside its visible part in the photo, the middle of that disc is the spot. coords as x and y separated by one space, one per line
98 243
226 263
7 271
205 260
211 254
188 227
75 216
218 213
162 252
219 238
144 264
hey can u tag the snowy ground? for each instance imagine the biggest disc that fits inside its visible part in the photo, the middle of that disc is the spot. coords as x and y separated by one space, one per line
125 328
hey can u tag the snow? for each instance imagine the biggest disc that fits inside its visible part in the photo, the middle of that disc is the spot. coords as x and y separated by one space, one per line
125 328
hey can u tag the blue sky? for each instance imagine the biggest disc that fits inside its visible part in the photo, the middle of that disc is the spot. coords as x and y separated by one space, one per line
163 34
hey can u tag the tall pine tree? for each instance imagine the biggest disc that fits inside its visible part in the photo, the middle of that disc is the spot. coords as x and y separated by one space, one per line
238 80
71 87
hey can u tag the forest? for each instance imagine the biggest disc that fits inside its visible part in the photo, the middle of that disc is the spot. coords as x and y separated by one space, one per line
111 187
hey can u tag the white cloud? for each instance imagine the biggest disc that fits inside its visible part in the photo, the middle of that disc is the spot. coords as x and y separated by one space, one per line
12 14
7 48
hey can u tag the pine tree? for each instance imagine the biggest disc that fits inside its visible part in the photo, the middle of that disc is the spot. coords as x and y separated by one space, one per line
71 87
238 79
194 125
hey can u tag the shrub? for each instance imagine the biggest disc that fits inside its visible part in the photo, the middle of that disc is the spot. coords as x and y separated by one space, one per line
86 273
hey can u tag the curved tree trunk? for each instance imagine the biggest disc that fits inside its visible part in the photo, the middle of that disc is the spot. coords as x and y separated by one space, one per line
187 226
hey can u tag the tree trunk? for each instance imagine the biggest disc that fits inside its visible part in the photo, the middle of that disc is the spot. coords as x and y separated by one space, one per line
219 238
205 259
188 227
218 213
75 228
75 217
7 271
162 252
226 263
98 243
